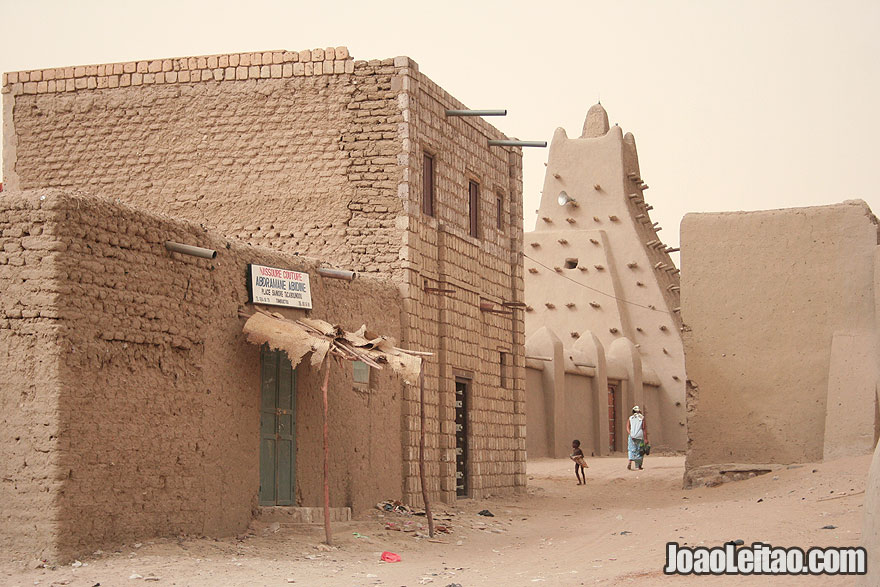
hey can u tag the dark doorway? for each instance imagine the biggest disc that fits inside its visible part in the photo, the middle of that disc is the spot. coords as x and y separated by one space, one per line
613 431
277 428
462 393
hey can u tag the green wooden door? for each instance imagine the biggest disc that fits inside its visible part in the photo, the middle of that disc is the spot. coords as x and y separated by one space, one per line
277 429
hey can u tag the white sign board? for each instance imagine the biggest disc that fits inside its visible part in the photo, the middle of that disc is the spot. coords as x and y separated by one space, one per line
279 287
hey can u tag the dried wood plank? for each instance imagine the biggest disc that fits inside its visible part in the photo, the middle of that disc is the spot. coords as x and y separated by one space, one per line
841 495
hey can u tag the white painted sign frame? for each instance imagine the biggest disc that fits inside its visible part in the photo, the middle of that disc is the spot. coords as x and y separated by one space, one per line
274 286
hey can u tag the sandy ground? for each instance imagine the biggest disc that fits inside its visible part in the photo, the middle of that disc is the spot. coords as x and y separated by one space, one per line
612 531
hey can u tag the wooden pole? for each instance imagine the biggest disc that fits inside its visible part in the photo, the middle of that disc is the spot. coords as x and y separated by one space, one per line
328 535
422 451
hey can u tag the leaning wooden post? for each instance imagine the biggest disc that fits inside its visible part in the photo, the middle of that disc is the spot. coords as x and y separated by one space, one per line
422 451
327 533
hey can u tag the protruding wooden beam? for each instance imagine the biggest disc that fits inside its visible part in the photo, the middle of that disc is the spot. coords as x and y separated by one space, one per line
514 304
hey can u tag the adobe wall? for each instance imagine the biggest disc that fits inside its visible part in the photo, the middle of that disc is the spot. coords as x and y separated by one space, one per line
578 419
158 392
774 302
440 253
29 419
567 392
294 151
538 439
579 416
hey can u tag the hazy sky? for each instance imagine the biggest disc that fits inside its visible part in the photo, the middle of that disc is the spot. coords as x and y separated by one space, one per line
735 105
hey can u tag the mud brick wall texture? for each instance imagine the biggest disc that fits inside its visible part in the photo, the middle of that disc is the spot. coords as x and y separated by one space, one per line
291 151
29 419
131 400
325 161
441 253
800 287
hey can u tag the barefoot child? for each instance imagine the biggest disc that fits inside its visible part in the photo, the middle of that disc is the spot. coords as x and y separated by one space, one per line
577 455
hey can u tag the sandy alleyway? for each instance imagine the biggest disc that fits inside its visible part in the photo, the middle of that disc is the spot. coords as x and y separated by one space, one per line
611 531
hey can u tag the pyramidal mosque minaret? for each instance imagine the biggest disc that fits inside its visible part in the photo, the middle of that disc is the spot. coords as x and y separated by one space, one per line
600 281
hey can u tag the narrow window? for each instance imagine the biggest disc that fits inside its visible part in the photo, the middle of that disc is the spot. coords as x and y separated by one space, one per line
502 360
428 185
474 208
499 210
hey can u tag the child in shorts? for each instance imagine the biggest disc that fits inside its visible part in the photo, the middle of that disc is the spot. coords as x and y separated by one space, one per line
577 455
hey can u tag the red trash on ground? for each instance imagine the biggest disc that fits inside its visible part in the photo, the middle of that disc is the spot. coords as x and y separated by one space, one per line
390 557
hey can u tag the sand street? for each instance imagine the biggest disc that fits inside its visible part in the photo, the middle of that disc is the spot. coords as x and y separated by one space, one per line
611 531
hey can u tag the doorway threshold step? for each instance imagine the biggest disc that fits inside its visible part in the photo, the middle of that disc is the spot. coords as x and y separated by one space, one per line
301 515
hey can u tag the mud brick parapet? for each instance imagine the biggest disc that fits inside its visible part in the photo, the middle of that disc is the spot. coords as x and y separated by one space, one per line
227 67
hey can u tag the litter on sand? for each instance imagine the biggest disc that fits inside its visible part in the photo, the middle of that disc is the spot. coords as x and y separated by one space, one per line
486 513
394 506
410 526
390 557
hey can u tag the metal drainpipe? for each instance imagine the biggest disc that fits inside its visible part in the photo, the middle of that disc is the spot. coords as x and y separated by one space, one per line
191 250
337 274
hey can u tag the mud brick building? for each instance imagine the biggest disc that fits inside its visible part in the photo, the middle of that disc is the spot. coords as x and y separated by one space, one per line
298 154
131 402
